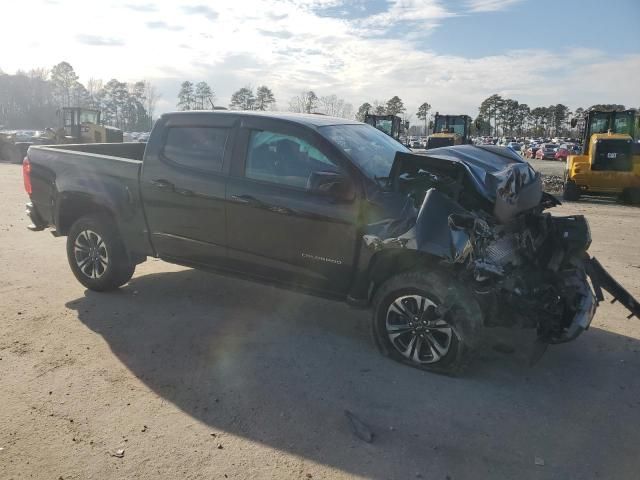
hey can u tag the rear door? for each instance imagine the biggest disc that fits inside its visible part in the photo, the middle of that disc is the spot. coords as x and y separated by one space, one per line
279 230
183 187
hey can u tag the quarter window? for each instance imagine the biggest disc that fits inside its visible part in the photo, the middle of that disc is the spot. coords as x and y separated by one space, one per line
284 159
196 147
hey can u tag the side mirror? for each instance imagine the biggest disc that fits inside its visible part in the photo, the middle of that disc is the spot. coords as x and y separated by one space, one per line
574 122
333 184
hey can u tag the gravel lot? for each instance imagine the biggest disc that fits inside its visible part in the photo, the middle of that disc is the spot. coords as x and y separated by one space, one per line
200 376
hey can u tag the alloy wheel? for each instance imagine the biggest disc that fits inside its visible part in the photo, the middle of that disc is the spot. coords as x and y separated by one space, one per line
416 329
91 255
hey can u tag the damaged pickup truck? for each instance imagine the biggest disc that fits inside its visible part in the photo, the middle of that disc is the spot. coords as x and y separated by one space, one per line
442 245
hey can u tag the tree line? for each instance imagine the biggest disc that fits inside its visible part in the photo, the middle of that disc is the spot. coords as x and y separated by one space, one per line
505 116
34 99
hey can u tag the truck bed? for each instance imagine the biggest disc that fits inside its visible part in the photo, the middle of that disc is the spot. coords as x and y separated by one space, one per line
105 174
130 151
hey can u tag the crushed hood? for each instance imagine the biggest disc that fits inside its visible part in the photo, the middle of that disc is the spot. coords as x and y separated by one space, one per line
497 175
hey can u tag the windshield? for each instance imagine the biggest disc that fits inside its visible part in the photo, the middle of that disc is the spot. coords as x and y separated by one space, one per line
622 123
447 124
88 116
367 147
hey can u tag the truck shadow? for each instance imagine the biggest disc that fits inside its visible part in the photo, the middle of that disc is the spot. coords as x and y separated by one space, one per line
281 368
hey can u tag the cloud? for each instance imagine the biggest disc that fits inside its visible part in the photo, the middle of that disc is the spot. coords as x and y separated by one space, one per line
279 34
164 26
490 5
142 7
98 41
203 10
297 45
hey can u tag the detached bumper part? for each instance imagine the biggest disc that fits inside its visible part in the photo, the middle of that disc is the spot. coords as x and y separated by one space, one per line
601 279
585 312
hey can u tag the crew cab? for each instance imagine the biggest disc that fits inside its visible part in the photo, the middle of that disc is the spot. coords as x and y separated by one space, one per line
441 245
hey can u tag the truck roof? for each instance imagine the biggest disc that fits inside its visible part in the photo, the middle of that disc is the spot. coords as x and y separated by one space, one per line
313 120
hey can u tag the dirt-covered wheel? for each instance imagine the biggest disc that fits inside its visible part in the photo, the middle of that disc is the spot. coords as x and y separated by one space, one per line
426 320
570 191
97 255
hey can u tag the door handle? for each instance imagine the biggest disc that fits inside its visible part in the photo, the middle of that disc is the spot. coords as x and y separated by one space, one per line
162 184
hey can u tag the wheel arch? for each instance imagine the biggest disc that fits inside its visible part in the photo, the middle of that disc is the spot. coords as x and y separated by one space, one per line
389 263
74 205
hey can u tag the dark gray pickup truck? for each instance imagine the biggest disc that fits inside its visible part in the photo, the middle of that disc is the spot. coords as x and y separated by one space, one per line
442 245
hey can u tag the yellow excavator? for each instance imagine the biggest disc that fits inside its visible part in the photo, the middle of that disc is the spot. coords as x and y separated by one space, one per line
449 130
610 160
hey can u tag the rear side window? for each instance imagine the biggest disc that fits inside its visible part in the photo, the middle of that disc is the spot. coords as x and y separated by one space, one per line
196 147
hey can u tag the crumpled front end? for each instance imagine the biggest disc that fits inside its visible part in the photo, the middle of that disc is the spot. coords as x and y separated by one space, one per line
526 267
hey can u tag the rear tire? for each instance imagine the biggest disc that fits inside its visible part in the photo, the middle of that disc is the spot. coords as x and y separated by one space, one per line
97 255
570 191
426 320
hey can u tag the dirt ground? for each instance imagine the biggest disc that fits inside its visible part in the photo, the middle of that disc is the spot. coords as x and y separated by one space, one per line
199 376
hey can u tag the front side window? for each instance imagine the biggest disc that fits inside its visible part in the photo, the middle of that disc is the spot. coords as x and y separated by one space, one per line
196 147
284 159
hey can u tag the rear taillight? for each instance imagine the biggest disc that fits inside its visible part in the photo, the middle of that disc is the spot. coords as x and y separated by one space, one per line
26 175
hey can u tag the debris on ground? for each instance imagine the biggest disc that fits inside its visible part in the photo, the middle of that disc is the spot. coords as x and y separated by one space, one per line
552 183
360 429
539 461
118 453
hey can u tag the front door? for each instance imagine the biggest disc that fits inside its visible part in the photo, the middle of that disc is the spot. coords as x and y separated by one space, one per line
279 230
183 188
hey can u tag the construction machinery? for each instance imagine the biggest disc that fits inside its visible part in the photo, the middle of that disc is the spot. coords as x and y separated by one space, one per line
609 163
82 125
389 124
79 125
449 130
12 150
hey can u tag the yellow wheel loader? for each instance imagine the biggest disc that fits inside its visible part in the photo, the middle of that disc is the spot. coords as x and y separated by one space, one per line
610 160
82 125
449 130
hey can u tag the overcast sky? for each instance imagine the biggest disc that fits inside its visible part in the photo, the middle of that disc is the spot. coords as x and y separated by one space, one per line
452 54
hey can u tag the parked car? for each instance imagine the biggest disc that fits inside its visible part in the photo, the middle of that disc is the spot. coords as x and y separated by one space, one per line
514 146
532 150
335 208
546 151
564 150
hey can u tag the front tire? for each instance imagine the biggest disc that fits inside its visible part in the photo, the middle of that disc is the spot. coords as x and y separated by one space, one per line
426 320
97 255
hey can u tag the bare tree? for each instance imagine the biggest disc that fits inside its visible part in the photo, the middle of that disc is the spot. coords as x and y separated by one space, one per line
336 107
306 102
379 108
94 86
152 97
